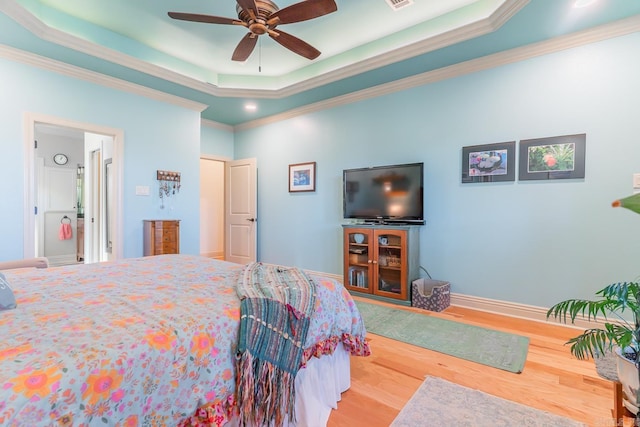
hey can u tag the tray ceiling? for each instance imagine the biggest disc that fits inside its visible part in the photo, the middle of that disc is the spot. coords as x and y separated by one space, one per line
364 44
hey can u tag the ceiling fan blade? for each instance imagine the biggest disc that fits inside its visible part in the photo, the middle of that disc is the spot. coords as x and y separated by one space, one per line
250 7
294 44
209 19
302 11
245 47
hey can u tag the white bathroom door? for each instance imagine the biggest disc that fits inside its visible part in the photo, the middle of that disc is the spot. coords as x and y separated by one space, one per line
59 206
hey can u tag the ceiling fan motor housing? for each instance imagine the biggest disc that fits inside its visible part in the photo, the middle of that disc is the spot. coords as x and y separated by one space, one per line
259 25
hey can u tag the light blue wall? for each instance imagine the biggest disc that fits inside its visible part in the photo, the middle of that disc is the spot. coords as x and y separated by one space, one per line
525 242
216 141
157 135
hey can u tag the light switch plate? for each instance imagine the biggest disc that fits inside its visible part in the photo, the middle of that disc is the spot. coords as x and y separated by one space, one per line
142 190
636 180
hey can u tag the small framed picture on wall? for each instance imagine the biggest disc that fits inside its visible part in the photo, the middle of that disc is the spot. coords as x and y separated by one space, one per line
489 162
302 177
558 157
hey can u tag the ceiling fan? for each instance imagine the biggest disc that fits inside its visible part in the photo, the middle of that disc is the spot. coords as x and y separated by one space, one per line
262 17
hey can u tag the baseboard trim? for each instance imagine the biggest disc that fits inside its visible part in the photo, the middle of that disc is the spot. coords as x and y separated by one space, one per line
511 309
504 308
216 255
59 260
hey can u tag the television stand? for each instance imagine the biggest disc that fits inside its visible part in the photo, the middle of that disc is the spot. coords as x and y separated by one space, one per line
381 260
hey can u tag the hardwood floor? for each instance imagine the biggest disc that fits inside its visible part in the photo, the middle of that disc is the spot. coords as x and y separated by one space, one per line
552 379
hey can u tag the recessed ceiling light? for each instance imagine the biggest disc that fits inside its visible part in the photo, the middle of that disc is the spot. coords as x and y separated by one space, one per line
584 3
250 107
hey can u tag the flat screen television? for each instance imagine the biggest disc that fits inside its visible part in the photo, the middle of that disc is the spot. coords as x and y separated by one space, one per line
384 194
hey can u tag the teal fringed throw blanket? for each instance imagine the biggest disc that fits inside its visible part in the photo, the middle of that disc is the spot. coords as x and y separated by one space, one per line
276 304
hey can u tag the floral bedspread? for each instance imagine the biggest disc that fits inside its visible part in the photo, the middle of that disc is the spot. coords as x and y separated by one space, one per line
141 341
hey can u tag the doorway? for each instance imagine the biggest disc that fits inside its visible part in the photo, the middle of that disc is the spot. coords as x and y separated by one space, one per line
76 197
212 185
228 205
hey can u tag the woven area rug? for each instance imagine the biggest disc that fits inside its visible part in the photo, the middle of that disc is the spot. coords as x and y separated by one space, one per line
486 346
442 403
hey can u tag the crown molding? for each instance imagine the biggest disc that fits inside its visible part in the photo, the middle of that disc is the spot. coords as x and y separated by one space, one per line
467 32
41 30
63 68
604 32
23 17
216 125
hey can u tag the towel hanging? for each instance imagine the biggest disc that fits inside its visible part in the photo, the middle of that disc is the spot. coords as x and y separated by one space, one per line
65 232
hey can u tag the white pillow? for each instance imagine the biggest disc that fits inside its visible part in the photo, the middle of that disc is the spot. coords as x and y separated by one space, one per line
7 300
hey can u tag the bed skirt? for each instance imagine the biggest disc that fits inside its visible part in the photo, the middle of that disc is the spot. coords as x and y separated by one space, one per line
318 389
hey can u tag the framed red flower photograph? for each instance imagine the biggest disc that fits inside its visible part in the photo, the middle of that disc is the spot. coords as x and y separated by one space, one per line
558 157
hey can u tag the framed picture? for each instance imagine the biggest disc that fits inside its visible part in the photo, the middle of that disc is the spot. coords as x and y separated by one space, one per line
489 162
302 177
558 157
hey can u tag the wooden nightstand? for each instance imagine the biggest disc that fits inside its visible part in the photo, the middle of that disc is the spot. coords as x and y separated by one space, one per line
161 237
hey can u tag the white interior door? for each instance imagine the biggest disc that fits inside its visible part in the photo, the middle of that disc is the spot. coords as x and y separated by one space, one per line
241 203
58 206
39 201
92 214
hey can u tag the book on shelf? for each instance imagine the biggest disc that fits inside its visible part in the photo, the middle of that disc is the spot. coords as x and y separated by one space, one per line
358 278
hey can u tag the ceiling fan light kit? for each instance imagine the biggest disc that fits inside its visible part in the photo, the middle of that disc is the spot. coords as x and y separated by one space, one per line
262 17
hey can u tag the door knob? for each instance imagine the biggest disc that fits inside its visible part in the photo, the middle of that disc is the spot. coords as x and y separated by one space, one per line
251 219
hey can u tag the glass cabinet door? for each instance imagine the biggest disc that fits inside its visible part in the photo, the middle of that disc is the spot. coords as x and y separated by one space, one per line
390 258
359 260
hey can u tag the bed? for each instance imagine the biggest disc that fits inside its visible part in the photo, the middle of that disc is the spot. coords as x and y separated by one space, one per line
152 341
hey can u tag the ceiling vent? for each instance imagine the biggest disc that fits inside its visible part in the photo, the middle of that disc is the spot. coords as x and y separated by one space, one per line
399 4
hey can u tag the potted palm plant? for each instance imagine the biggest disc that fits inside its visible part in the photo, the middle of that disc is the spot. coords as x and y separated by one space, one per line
621 335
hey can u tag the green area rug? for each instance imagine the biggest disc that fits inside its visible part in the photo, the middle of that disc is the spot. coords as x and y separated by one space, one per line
489 347
443 403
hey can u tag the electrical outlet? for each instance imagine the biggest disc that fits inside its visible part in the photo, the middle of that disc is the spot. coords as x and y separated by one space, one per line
142 190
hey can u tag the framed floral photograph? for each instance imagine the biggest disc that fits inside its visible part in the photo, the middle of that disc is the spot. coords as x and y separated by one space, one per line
558 157
302 177
489 162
